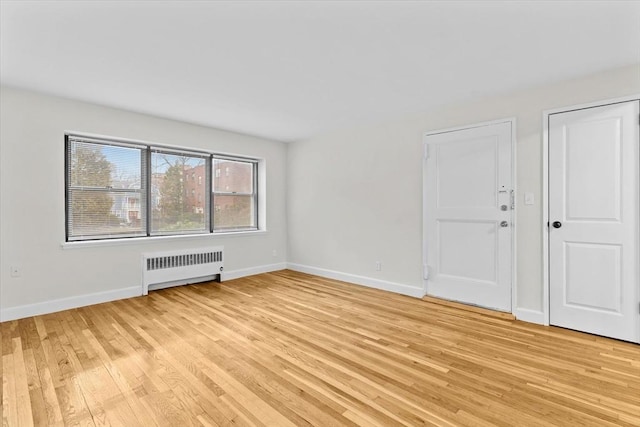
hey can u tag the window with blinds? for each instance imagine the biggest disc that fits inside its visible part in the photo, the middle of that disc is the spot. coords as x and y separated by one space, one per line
117 189
106 190
234 194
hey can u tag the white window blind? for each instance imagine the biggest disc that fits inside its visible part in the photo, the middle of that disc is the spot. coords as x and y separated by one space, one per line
106 194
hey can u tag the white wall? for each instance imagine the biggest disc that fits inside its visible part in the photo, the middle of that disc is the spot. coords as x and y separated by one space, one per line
32 205
355 197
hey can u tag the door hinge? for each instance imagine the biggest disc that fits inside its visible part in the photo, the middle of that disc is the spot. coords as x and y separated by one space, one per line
425 272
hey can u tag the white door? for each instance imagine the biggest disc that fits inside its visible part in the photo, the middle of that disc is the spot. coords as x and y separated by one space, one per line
467 218
593 215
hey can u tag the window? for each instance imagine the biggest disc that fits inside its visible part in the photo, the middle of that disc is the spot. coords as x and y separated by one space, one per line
234 194
118 189
105 187
176 210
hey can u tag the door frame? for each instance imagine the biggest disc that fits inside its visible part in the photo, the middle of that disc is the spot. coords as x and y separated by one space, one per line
545 188
512 122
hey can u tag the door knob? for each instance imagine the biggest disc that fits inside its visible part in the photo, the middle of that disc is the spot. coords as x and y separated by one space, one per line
557 224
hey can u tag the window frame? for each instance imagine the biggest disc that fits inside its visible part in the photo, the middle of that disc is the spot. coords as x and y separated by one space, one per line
254 194
145 192
69 139
176 152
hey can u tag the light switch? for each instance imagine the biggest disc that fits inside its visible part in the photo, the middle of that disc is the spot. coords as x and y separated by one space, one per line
528 198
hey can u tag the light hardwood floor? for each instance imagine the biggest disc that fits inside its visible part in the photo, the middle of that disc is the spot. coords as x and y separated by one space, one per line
285 348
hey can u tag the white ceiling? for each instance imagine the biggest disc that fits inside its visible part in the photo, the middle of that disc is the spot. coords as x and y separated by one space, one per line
290 70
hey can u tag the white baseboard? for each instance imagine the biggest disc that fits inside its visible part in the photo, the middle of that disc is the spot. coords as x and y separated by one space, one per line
528 315
28 310
236 274
398 288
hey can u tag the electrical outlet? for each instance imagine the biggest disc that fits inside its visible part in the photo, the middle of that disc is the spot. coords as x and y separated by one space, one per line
15 271
378 266
274 252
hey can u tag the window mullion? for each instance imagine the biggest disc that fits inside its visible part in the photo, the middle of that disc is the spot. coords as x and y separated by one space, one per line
147 185
255 195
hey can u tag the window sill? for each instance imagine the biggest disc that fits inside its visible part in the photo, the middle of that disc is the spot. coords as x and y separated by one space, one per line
156 239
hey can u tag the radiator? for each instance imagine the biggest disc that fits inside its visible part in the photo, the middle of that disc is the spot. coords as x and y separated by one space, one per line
181 267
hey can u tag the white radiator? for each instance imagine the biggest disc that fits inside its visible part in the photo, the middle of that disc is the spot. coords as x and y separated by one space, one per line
181 267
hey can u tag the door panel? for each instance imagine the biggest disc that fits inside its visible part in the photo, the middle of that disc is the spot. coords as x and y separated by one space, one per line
467 251
478 189
592 164
467 180
583 287
594 196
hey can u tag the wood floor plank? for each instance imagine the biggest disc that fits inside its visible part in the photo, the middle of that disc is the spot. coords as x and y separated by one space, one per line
291 349
3 379
9 395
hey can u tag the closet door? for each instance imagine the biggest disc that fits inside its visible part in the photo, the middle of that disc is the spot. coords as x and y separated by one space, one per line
593 215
